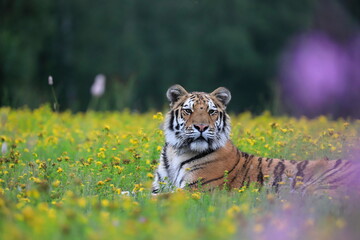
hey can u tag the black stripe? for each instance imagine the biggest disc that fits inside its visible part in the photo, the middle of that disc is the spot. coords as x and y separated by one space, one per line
235 176
218 178
177 127
337 163
206 163
338 179
348 177
248 182
270 162
278 171
195 168
224 121
220 117
201 155
155 191
159 177
165 159
192 170
300 171
245 175
223 116
247 160
171 123
193 183
212 180
343 166
238 160
301 167
260 176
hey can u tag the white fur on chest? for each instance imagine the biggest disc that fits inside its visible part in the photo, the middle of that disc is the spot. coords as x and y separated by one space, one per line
179 176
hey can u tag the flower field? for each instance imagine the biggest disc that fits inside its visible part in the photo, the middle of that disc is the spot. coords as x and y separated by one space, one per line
63 175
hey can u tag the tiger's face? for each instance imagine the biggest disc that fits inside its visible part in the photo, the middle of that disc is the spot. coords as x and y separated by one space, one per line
197 121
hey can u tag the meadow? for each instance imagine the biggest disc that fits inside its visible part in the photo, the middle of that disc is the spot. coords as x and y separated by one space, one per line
62 176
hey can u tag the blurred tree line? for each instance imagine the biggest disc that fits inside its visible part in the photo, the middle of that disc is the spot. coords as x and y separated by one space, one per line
143 47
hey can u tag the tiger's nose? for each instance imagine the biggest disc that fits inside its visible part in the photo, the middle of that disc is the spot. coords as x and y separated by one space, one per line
201 127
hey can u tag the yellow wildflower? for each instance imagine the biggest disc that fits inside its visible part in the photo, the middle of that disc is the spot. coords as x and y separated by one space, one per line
251 141
284 130
138 188
100 183
158 116
81 202
232 211
105 203
133 141
56 183
196 196
101 155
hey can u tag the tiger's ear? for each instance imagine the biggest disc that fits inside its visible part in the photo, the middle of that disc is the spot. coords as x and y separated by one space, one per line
222 94
175 92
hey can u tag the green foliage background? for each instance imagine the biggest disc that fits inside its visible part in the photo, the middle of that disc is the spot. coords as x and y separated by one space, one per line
141 45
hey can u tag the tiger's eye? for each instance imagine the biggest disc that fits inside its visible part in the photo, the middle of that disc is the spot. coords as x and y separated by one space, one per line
212 112
188 111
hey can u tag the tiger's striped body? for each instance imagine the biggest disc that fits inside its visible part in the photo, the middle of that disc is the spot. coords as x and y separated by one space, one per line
198 152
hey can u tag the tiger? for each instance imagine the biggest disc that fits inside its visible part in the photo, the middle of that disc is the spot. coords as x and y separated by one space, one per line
198 152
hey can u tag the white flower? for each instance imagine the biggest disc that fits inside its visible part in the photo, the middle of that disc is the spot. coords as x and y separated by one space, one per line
50 79
4 148
98 87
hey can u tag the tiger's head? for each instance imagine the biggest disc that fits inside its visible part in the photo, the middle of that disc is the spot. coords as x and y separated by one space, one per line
197 121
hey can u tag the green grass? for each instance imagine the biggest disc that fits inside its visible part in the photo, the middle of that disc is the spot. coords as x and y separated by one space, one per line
62 177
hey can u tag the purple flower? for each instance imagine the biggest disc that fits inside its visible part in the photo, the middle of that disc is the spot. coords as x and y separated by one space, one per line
318 75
